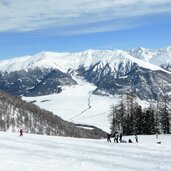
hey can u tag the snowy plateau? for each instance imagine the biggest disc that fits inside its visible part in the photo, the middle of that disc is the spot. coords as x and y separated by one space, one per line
53 153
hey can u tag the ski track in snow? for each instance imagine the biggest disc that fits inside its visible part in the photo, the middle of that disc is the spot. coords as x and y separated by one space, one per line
50 153
89 106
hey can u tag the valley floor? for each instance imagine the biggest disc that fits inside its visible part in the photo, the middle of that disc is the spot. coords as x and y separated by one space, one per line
77 104
50 153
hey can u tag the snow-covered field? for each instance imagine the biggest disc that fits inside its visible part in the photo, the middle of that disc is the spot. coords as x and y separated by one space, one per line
50 153
73 104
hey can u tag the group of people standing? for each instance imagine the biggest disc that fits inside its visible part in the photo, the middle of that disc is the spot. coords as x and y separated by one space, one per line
118 137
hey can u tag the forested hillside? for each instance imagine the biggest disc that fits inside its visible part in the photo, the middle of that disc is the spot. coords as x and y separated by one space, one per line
16 113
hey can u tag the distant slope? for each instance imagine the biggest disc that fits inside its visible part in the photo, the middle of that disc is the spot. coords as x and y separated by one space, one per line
16 113
159 57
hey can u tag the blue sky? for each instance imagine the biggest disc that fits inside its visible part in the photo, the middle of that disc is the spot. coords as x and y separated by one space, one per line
29 27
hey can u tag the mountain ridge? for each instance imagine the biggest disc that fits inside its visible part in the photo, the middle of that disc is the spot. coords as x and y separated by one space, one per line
64 61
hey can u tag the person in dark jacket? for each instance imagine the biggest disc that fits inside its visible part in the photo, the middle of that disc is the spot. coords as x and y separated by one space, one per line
21 132
120 137
108 137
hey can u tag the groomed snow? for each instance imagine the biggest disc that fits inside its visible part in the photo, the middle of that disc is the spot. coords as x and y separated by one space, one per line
50 153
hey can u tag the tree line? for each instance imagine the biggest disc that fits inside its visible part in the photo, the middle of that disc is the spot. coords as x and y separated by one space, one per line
130 118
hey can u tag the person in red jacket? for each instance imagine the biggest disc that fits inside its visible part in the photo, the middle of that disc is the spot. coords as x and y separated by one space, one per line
21 132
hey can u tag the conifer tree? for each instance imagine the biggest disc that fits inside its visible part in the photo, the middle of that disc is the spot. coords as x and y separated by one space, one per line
165 121
116 116
149 123
138 124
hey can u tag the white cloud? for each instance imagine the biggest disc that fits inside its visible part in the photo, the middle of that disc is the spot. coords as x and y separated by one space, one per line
30 15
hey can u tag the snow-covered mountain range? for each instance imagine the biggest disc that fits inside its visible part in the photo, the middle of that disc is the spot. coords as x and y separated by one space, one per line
63 61
141 70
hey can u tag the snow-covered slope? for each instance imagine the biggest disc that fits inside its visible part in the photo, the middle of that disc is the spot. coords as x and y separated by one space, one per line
143 54
61 61
50 153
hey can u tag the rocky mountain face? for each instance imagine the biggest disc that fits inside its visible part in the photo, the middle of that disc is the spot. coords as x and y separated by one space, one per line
142 71
34 82
145 83
16 113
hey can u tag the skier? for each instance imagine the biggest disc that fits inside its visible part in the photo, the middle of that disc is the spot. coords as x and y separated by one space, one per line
21 132
108 137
